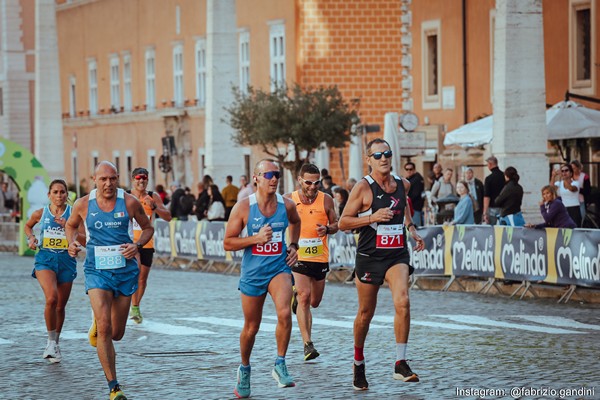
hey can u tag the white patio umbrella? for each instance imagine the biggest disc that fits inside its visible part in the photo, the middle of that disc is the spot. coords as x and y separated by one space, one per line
570 120
473 134
564 120
390 135
356 158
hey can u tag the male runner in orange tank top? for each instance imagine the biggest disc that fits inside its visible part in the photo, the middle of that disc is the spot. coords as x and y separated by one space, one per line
317 213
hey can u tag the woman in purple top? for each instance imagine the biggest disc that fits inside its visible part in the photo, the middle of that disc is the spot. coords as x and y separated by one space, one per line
553 210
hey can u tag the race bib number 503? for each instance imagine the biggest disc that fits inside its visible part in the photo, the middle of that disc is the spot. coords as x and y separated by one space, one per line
390 236
272 248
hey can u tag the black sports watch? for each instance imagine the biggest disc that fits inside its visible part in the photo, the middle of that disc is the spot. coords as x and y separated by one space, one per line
294 245
139 246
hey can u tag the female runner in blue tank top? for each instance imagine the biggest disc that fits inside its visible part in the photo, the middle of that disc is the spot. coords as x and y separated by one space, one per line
54 269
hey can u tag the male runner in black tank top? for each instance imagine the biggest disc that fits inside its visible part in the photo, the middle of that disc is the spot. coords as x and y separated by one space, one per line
377 207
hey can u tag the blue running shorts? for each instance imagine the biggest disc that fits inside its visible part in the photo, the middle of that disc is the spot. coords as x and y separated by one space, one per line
112 280
63 265
258 287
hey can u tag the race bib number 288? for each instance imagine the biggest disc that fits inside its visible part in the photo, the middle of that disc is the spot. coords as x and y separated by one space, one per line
390 236
109 257
272 248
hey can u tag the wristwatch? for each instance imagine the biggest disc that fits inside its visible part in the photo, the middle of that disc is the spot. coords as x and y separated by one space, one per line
139 246
294 245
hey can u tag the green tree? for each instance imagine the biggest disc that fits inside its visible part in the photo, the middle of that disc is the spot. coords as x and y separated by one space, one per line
289 124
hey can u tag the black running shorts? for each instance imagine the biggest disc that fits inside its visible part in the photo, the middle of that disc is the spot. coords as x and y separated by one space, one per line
316 270
372 269
146 256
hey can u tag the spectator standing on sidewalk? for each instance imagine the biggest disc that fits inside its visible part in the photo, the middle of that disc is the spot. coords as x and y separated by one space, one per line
463 213
246 188
229 193
110 267
568 190
553 211
153 205
8 203
177 192
201 204
492 186
216 206
54 268
416 192
510 199
476 191
317 213
377 207
265 267
585 187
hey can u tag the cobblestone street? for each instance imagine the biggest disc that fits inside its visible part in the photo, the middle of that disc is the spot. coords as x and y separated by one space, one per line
187 347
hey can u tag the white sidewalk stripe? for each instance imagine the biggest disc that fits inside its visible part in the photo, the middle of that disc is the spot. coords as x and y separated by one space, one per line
330 322
559 321
475 320
167 329
234 323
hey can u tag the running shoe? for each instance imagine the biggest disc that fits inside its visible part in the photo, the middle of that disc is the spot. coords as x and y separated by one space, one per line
310 352
93 333
242 389
294 299
57 356
117 394
360 380
50 351
403 372
136 315
280 373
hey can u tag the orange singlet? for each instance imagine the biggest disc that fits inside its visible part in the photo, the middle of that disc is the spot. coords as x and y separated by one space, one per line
312 247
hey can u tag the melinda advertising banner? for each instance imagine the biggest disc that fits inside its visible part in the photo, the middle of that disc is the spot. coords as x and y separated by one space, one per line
431 260
521 254
162 238
577 257
557 256
472 251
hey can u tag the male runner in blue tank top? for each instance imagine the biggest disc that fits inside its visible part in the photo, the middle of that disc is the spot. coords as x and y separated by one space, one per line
266 263
110 267
378 208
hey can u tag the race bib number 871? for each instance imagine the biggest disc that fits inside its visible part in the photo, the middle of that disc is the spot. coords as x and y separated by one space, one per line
390 236
272 248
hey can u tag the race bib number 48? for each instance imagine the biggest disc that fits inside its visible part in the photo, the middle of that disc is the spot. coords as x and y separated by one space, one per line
109 257
390 236
312 247
55 240
272 248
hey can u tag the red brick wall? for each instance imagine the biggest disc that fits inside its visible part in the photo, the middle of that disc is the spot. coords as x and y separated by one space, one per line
354 44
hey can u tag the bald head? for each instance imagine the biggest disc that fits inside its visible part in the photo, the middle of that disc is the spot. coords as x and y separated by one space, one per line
104 165
263 164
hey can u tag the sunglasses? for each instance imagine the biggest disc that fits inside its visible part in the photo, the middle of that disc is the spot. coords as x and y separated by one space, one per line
270 174
565 170
141 177
379 154
409 169
310 183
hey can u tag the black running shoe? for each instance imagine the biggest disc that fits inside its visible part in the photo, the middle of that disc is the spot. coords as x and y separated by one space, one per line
360 380
294 299
310 352
403 372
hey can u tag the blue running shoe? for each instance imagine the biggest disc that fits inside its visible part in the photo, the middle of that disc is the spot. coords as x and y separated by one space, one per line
242 389
280 373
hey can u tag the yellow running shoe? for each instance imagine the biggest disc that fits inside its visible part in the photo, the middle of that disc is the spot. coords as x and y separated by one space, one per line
93 334
117 394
